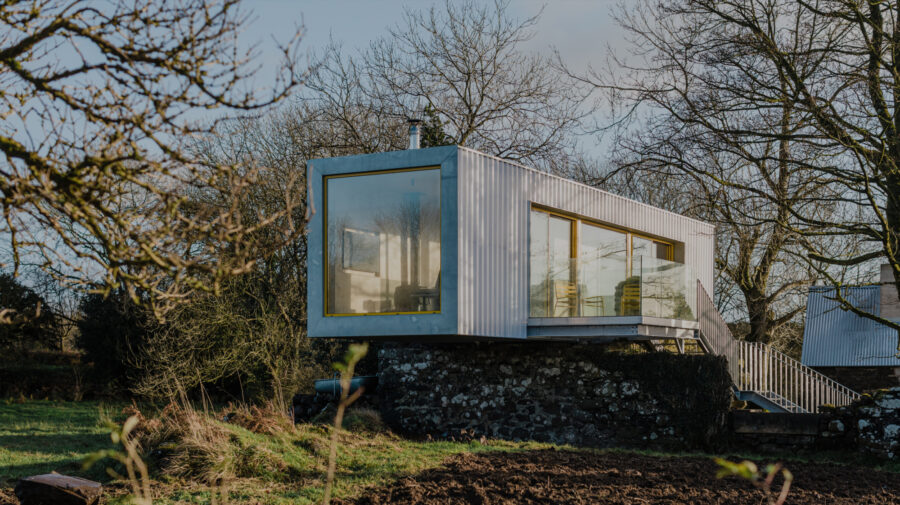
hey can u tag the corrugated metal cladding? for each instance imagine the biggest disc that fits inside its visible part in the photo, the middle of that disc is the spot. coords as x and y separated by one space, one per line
495 198
836 337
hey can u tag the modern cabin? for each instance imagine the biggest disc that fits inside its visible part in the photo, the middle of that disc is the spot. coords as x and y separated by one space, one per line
450 244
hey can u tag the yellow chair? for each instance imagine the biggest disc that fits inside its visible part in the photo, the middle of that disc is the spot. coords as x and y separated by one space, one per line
631 299
597 303
566 297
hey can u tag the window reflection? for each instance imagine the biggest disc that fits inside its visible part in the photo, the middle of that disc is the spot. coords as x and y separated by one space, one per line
650 248
602 258
383 246
579 268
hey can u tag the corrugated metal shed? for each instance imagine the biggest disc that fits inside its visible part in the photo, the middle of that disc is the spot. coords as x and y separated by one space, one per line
495 198
838 338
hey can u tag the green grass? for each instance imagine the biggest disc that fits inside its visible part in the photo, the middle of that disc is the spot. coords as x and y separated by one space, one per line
43 436
364 460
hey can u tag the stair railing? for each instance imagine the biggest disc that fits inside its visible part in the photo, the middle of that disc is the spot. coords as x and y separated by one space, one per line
766 371
715 336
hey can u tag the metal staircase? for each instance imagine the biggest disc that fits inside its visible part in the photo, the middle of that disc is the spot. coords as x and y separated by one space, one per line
763 375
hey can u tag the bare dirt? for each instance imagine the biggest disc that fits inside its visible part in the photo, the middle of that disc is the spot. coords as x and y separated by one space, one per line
549 476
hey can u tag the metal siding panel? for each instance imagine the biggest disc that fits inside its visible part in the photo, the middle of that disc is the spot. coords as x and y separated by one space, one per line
834 337
474 197
465 229
495 197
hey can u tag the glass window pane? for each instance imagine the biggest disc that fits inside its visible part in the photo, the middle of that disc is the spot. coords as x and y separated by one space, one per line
540 273
602 267
649 248
668 289
605 277
560 265
383 242
663 251
552 286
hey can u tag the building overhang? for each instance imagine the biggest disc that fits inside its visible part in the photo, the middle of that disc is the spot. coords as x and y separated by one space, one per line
611 328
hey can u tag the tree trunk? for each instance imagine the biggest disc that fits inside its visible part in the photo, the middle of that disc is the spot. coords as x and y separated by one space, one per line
758 312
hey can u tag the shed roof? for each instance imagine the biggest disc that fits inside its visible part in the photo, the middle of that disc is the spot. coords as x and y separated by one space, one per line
837 337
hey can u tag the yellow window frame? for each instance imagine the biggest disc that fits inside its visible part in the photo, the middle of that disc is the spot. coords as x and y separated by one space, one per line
629 234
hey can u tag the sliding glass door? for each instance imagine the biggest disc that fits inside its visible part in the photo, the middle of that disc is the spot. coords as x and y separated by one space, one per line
602 262
582 268
553 291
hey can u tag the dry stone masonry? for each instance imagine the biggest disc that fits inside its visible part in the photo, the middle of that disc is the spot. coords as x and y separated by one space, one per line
872 424
566 393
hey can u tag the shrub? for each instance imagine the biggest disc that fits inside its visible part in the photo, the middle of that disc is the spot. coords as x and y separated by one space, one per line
193 444
364 419
247 341
110 330
30 324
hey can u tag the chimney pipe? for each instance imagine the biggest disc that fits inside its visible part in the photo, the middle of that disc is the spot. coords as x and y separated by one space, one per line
413 132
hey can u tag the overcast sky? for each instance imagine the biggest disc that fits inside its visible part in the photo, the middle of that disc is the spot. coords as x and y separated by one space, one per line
580 29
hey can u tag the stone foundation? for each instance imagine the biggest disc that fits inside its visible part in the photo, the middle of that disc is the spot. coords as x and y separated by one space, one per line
871 424
567 393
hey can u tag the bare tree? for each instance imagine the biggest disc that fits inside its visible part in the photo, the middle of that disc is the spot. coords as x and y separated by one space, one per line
464 62
834 64
759 276
716 129
99 105
254 330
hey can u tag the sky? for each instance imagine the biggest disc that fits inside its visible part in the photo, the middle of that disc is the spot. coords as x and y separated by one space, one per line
580 29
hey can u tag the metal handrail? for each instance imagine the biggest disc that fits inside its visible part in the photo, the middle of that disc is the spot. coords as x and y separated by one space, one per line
759 368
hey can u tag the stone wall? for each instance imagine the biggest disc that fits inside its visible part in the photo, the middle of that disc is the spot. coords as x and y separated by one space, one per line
570 393
760 431
871 424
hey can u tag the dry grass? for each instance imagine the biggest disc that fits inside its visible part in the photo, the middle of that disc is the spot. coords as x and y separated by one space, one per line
265 419
193 444
364 419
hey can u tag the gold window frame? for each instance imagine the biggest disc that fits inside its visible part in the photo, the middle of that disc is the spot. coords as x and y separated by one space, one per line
576 218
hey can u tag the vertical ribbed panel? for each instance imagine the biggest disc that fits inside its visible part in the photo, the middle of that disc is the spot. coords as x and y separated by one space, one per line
834 337
495 198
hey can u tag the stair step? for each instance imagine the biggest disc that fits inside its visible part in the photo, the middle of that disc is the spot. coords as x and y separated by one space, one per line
757 367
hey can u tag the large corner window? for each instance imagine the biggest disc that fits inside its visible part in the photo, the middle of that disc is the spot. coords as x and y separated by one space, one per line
581 268
383 242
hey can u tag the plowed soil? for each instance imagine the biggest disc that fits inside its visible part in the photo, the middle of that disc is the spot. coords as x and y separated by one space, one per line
550 476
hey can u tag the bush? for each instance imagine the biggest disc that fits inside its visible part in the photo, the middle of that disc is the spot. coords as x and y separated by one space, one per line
30 324
248 341
111 330
364 419
192 444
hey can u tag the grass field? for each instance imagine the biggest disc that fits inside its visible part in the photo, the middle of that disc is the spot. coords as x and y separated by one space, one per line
289 467
43 436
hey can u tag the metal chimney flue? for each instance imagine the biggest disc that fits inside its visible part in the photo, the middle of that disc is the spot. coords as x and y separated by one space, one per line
414 134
